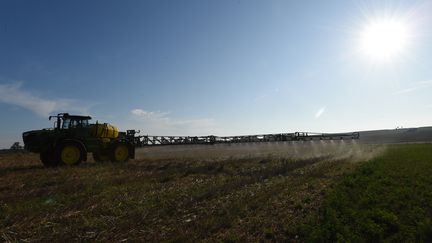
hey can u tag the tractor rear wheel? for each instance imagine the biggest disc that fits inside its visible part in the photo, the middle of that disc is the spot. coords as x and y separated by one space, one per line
48 158
120 152
70 153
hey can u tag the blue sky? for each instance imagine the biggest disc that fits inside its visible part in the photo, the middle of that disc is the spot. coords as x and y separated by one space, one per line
211 67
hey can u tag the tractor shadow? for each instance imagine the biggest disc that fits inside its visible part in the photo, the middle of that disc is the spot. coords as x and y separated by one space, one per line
15 169
38 167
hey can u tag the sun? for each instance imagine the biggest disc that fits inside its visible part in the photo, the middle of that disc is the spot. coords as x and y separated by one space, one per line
384 39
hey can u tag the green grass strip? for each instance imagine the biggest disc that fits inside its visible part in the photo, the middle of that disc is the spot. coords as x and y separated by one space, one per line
388 199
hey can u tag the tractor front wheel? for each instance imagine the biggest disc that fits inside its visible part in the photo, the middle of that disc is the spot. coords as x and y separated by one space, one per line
120 152
70 153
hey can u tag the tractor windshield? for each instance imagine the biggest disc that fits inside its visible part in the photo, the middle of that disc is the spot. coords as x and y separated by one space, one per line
66 123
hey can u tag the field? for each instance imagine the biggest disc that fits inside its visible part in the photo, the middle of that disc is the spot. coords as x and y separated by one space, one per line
387 199
312 191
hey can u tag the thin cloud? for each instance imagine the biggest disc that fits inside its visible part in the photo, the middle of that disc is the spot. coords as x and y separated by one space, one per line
260 97
163 123
150 115
14 94
417 86
320 112
266 95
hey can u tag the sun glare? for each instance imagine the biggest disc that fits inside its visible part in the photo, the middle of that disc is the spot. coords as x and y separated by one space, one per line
384 39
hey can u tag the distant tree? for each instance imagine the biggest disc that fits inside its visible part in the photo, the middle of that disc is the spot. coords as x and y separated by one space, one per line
16 146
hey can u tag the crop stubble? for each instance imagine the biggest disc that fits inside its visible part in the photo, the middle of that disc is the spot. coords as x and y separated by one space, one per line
236 192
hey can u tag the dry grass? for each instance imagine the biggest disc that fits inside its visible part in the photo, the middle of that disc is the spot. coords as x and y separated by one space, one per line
230 193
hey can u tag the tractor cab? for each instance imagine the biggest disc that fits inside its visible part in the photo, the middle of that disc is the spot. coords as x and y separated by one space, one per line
66 121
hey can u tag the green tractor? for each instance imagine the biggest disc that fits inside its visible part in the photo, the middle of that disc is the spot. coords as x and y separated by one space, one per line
73 137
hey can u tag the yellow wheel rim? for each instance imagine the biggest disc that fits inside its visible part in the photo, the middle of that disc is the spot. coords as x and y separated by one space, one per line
70 154
121 153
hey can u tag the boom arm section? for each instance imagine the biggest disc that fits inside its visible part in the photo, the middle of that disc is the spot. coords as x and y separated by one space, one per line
146 140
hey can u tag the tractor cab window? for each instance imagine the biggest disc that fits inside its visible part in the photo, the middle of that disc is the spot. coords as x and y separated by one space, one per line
84 123
79 123
74 123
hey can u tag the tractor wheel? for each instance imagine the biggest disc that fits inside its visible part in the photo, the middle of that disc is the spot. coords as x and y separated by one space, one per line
48 158
120 152
69 153
101 157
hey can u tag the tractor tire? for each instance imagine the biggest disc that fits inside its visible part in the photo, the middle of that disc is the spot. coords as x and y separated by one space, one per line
69 153
48 159
101 157
120 152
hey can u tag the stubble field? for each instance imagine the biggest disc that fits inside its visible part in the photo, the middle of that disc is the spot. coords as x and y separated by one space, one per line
241 192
